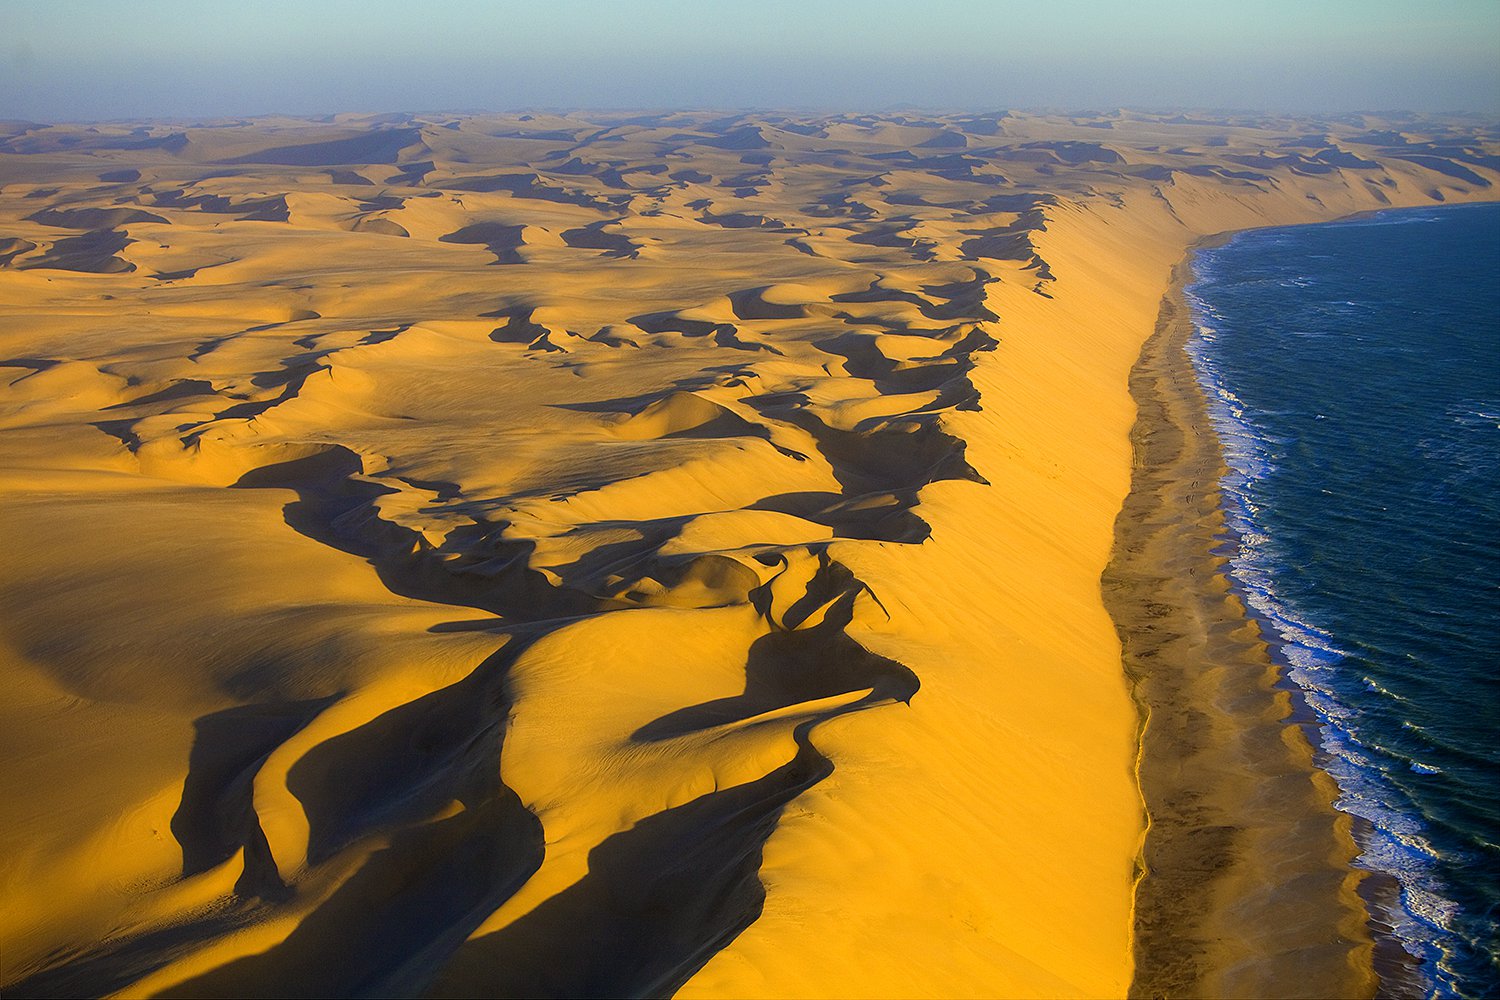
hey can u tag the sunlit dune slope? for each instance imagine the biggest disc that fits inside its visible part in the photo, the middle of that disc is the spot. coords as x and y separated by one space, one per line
593 555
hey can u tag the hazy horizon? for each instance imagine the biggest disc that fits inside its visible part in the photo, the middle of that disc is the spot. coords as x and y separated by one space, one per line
71 60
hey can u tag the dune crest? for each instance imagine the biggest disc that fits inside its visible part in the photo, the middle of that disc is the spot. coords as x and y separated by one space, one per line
595 554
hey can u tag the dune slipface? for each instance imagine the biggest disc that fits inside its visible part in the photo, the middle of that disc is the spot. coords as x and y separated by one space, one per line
621 555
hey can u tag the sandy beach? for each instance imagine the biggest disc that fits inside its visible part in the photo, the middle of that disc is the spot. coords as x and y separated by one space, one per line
1239 811
649 554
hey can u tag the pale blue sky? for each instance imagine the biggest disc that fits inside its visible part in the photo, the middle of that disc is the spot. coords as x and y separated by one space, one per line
103 59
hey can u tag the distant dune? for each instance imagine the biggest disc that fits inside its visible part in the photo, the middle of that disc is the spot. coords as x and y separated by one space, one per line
620 554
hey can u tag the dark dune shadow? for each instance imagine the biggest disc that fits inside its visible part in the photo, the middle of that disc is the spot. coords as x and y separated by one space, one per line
840 206
387 930
701 419
179 275
875 293
268 209
892 377
117 963
381 146
944 372
746 137
595 237
953 166
531 185
745 220
502 240
216 817
750 304
855 517
903 453
1448 168
519 327
945 140
290 380
670 321
382 336
963 300
381 227
412 174
1021 203
608 173
35 364
92 218
660 899
888 459
350 177
407 763
893 235
180 389
91 253
417 899
1002 244
53 140
788 668
1077 153
627 559
12 247
334 506
724 334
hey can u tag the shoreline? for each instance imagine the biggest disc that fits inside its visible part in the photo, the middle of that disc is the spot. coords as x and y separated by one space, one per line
1236 805
1397 966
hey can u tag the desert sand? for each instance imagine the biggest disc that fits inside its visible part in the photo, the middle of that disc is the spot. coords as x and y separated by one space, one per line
636 555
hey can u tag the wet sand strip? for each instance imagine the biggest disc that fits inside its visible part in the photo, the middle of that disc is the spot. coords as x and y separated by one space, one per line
1246 884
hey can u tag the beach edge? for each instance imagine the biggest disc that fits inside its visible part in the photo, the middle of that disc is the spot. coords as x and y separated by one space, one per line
1245 880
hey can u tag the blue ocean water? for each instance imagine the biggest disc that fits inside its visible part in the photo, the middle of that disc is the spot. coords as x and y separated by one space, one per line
1353 372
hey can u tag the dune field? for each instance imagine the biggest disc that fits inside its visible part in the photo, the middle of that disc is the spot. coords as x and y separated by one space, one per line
643 555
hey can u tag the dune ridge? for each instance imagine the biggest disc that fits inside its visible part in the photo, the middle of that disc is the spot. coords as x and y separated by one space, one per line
599 554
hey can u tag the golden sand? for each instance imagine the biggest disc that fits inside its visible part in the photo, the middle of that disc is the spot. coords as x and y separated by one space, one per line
602 555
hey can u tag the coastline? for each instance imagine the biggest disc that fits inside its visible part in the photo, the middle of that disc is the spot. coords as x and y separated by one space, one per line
1231 790
1399 924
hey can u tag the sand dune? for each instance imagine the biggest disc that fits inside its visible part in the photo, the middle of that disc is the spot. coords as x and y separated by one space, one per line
603 554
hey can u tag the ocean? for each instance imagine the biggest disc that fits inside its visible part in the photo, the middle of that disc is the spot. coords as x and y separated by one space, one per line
1353 375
